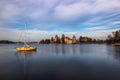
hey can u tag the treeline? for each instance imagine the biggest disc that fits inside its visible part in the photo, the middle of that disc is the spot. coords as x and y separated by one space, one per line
114 37
6 42
85 39
67 40
111 39
46 41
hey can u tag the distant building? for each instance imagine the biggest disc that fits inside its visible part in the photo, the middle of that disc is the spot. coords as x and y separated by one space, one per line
55 38
64 39
74 40
68 40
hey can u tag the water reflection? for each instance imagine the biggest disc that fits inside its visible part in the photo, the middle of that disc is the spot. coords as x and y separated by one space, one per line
61 62
74 49
24 55
63 49
56 49
116 52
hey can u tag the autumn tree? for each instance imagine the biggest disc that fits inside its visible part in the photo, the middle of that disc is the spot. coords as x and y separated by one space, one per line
114 38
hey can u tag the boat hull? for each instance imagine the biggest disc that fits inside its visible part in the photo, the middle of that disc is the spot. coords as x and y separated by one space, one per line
26 49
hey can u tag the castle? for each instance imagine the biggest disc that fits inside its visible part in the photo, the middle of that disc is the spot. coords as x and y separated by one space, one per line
64 39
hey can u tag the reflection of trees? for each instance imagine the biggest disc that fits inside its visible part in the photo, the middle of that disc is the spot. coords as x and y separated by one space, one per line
24 55
85 48
116 52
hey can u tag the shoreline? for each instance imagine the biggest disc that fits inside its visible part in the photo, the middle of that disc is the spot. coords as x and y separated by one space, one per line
116 44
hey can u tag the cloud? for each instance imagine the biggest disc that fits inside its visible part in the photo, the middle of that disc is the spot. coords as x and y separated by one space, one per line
30 35
85 7
57 16
104 18
109 25
71 11
54 10
8 34
97 28
37 35
114 23
9 9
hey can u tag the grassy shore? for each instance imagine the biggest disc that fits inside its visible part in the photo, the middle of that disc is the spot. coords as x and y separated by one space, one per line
116 44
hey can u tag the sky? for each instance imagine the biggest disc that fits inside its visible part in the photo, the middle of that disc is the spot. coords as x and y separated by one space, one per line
46 18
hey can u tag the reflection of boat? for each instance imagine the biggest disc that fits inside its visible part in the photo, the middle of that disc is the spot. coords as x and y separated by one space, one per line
26 46
25 52
22 59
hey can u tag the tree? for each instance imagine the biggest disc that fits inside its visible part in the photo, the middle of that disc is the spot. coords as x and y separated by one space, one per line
58 40
114 38
42 42
47 41
52 40
94 40
63 39
80 39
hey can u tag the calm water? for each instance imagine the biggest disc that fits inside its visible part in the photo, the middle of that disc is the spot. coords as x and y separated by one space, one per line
60 62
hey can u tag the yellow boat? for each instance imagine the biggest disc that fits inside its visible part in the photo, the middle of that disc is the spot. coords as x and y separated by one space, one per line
26 47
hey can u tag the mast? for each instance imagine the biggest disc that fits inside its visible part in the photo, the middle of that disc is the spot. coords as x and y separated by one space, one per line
25 43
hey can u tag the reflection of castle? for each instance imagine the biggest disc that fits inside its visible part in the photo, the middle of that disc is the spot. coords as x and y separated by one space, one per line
64 39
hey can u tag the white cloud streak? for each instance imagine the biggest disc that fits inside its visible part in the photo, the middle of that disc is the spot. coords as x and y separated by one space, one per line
85 7
97 28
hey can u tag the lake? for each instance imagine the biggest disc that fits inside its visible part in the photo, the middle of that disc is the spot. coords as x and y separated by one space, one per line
60 62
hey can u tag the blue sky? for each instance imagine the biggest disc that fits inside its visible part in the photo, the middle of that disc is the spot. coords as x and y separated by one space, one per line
46 18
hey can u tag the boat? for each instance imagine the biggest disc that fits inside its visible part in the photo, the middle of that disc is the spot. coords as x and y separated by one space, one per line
26 46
